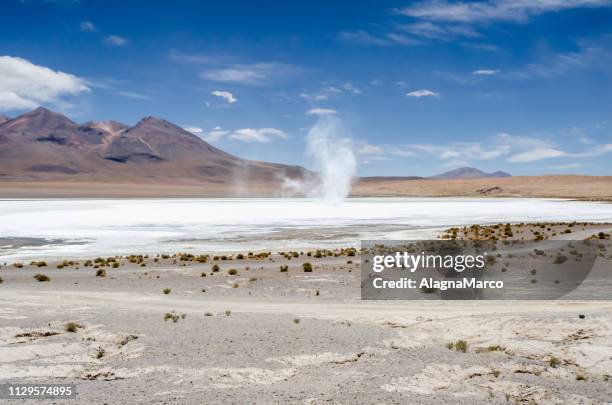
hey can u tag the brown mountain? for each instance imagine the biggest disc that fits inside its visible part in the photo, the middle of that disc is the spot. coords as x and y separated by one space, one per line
469 173
44 145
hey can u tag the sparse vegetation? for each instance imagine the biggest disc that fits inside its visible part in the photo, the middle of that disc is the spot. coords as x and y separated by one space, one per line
215 267
296 320
284 268
100 273
553 362
228 312
459 345
166 290
72 327
307 267
232 272
41 277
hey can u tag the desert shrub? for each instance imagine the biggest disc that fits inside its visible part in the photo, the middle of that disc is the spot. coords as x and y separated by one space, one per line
228 312
208 314
215 267
41 277
580 377
203 274
253 279
232 272
171 315
533 272
284 268
554 362
1 280
115 265
72 327
166 290
459 345
560 259
235 285
307 267
100 273
239 256
18 265
497 348
296 320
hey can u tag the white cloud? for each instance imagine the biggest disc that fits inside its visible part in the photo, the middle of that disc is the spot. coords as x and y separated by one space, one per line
332 91
485 72
87 26
115 40
492 10
422 93
251 74
427 29
389 39
226 95
257 135
536 154
26 85
321 111
194 130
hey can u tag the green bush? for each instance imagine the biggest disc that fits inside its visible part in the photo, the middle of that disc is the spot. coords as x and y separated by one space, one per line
232 272
100 273
166 290
307 267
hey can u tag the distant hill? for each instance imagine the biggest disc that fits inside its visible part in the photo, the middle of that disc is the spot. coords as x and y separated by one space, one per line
44 145
469 173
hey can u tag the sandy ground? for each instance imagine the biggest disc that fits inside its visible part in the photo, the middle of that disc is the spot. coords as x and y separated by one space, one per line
266 336
562 186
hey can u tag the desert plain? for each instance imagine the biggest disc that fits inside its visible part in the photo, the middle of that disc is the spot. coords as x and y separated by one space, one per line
238 328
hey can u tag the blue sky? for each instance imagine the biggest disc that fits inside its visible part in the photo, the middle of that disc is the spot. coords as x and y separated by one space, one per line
421 87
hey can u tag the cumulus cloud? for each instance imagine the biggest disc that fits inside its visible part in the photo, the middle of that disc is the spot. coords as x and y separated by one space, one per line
115 40
226 95
26 85
422 93
321 111
88 26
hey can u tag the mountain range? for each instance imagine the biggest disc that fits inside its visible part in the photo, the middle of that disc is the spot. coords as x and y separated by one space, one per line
470 173
44 145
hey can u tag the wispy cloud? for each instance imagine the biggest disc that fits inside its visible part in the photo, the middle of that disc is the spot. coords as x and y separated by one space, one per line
330 92
485 72
226 95
26 85
252 74
362 37
257 135
492 10
198 58
536 154
422 93
261 135
321 111
115 40
430 30
87 26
